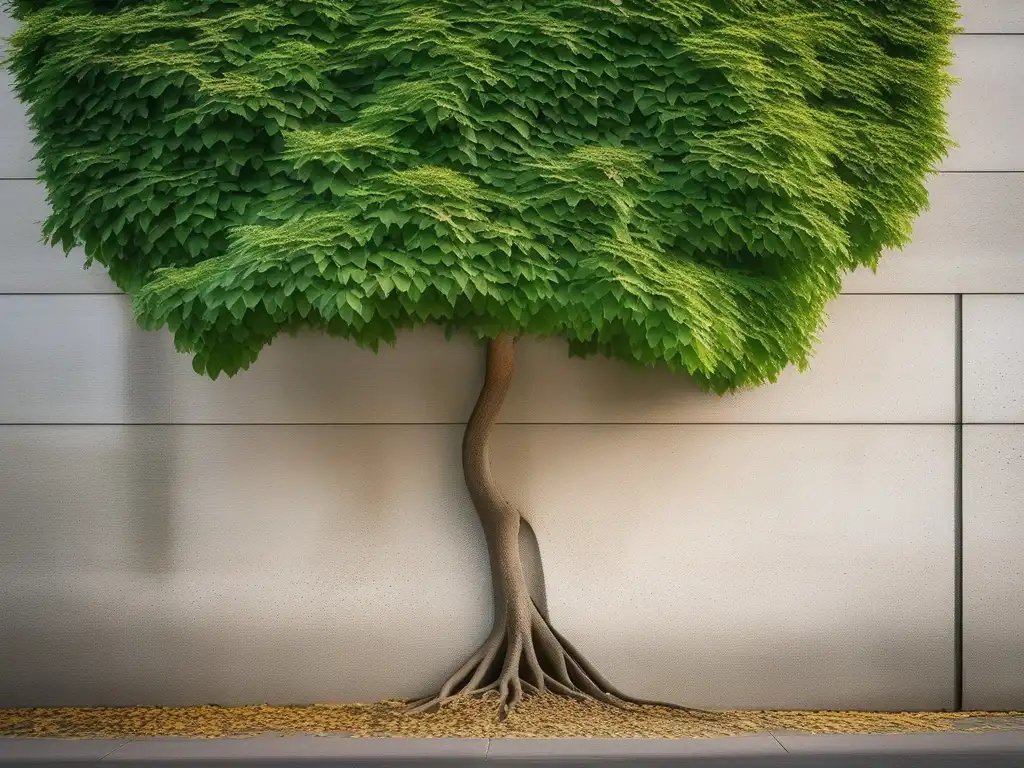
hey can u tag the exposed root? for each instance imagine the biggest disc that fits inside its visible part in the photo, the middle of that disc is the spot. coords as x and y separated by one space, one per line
529 658
588 669
467 679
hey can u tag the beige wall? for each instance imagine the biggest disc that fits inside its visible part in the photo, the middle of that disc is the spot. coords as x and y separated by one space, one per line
301 533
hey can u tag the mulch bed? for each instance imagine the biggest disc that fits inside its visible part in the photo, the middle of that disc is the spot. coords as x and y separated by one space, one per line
535 717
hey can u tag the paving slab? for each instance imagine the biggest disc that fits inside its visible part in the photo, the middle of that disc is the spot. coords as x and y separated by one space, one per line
512 753
64 752
306 751
775 750
998 749
904 743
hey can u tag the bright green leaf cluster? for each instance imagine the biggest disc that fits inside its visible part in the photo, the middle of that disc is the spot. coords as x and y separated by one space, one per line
673 181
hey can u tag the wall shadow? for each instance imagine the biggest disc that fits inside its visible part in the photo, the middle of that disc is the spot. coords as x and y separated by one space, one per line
151 437
533 564
68 658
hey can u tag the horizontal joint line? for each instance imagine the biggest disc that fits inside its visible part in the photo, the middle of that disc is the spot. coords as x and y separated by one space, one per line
506 423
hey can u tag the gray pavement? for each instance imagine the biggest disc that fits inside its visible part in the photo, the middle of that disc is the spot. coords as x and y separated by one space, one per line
995 749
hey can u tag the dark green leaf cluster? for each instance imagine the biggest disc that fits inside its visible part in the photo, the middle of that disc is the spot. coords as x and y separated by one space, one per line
676 181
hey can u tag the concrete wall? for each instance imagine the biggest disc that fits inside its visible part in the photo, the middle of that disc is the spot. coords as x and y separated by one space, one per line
301 533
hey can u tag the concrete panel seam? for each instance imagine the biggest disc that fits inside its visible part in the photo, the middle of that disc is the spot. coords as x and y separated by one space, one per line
958 511
772 734
126 741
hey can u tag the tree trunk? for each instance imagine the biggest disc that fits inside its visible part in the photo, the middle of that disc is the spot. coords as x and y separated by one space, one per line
523 654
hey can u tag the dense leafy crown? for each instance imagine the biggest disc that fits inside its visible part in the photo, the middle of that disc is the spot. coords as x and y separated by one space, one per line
656 180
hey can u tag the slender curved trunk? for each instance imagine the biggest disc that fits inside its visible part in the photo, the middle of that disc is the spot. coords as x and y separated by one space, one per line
524 653
500 521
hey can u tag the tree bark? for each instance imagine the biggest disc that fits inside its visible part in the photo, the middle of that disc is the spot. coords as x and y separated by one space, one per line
523 654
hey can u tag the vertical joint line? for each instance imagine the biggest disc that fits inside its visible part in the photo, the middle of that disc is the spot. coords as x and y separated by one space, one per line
958 510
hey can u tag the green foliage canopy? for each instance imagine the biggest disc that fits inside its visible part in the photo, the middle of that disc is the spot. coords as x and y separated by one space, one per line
676 181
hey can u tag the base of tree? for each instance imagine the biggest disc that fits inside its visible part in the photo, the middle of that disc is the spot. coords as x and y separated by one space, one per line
528 657
523 654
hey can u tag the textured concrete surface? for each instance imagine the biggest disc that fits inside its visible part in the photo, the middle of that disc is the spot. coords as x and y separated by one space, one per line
994 566
986 108
998 750
881 359
994 358
318 563
252 563
988 16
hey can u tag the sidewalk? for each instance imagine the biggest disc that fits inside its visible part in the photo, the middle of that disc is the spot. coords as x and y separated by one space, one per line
996 749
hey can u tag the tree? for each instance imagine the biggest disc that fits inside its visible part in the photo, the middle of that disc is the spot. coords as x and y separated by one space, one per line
667 182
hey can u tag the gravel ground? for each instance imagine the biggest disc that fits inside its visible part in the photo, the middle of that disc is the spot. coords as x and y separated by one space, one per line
536 717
